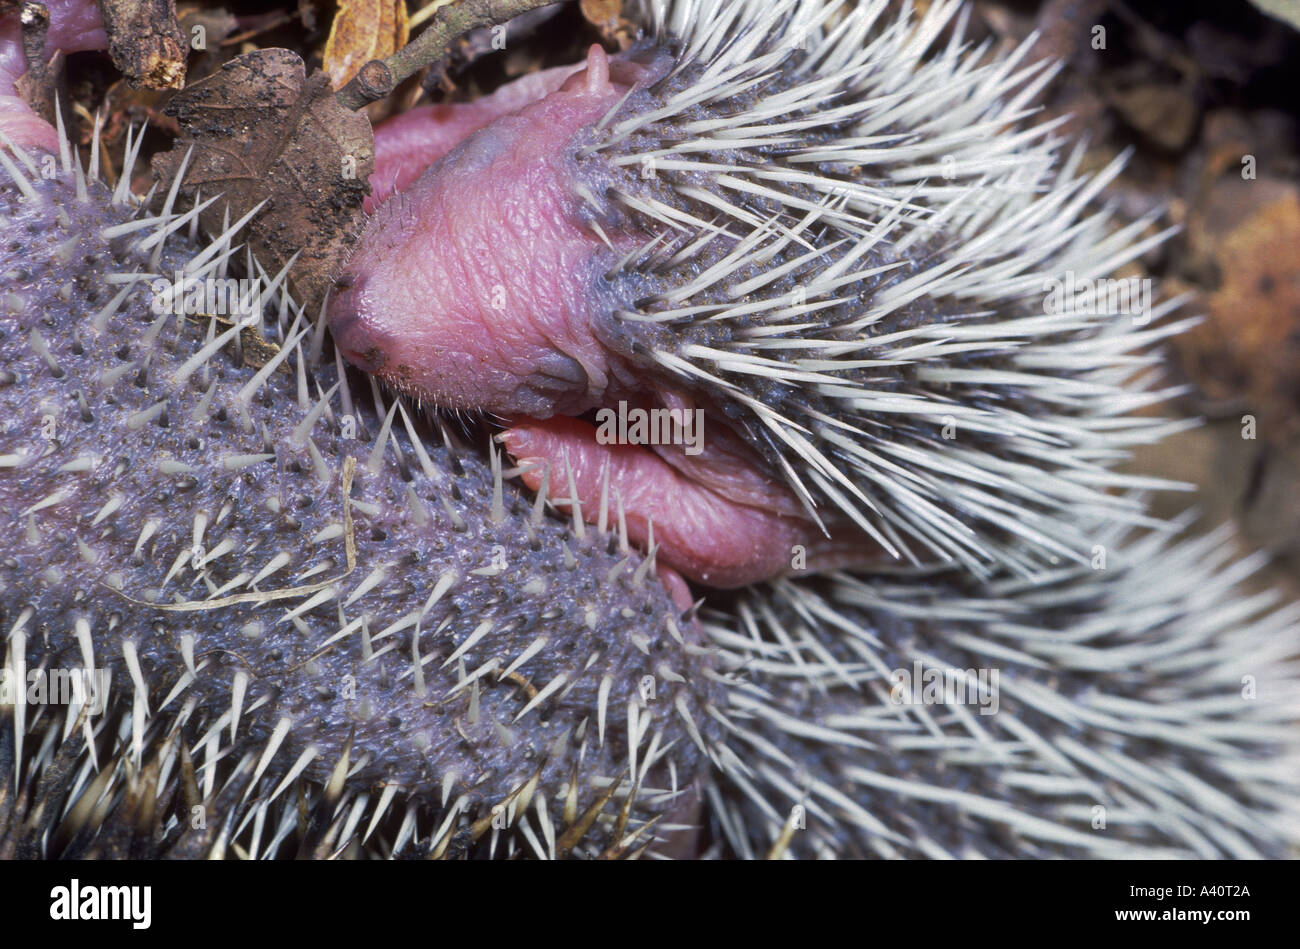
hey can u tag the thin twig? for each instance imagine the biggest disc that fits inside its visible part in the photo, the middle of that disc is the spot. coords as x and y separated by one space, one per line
379 77
35 19
146 42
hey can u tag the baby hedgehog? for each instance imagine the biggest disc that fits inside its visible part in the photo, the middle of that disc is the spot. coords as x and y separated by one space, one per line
785 220
827 231
799 219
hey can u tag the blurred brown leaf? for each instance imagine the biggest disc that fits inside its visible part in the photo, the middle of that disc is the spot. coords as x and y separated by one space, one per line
1166 114
364 30
1248 349
602 13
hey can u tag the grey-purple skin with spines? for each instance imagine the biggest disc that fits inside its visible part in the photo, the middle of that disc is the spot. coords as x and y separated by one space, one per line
268 561
1145 705
1144 709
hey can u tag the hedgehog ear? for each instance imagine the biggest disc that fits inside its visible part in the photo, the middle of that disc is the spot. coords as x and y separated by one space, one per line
596 75
603 75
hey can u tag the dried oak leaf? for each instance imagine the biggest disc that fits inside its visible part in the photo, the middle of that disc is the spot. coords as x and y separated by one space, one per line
262 131
364 30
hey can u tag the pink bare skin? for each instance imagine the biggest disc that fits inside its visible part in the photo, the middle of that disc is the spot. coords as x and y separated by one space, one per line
701 530
407 144
75 25
481 287
496 317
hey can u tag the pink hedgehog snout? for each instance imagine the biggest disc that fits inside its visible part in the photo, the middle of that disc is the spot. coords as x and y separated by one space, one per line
481 287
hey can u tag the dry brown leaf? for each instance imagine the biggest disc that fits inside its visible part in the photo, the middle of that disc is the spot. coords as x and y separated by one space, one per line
263 131
364 30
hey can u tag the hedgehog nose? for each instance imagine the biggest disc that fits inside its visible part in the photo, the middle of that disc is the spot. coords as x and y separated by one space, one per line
356 340
369 360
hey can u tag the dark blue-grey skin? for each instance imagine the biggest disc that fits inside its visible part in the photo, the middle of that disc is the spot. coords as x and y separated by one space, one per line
159 506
